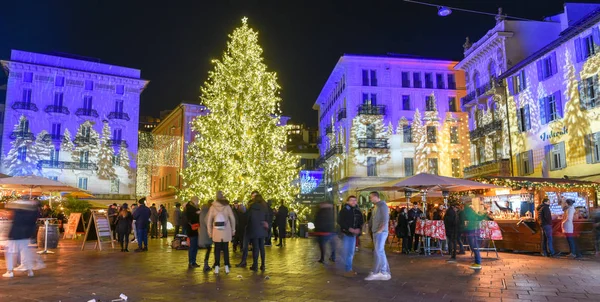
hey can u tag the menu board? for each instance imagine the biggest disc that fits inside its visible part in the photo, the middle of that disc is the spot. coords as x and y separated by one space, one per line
98 229
74 226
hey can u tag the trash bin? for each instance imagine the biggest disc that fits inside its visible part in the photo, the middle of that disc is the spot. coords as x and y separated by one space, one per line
303 230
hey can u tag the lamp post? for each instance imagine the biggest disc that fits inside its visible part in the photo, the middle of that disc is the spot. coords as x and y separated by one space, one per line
407 194
445 194
424 200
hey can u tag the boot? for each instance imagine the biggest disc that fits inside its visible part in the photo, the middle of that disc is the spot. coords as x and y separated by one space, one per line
206 266
122 249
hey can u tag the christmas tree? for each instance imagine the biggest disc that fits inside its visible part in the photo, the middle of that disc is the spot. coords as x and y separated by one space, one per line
106 170
123 156
67 144
20 159
42 146
575 120
86 140
240 144
420 137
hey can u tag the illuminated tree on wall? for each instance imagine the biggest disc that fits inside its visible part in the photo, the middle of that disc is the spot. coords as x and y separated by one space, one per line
66 144
576 119
420 137
123 156
22 159
367 126
42 146
86 139
240 146
106 170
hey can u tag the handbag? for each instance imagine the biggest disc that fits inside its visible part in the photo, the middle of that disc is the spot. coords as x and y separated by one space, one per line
195 226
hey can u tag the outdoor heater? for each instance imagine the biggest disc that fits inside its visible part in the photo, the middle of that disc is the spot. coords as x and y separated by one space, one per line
407 194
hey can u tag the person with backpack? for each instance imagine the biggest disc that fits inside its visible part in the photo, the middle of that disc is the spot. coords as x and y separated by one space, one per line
221 228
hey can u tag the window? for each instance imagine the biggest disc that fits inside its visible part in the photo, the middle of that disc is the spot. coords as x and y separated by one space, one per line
371 166
451 81
407 134
428 80
476 81
409 169
406 102
86 131
89 85
120 89
492 69
431 134
452 104
432 166
456 168
370 131
117 134
24 126
556 157
588 91
27 95
439 80
84 157
369 101
1 117
405 79
517 83
59 81
523 120
586 47
114 185
480 149
55 178
525 163
417 80
82 183
369 77
454 135
28 77
54 156
546 67
550 108
430 103
119 106
58 100
22 153
56 129
592 148
87 102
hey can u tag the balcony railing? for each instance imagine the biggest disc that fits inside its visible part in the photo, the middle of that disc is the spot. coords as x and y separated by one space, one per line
84 141
24 106
22 134
57 109
468 98
485 130
366 109
335 149
66 165
481 90
53 137
118 116
341 114
329 129
373 143
499 167
320 161
86 112
118 142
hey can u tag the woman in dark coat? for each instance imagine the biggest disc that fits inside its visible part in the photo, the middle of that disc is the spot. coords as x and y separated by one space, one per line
192 215
257 230
204 241
325 230
123 227
281 222
403 230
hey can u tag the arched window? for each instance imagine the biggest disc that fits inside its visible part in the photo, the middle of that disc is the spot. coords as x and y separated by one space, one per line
492 69
371 131
476 80
478 118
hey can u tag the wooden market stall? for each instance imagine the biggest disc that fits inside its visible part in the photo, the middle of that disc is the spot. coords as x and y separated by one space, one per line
514 209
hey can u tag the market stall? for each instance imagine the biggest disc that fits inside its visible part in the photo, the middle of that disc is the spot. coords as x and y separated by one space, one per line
514 209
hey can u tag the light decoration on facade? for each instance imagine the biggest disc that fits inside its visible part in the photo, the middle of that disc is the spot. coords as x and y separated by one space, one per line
420 137
588 187
106 170
154 151
23 157
361 124
576 120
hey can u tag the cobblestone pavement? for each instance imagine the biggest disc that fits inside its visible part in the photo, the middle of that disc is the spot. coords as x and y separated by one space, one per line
293 275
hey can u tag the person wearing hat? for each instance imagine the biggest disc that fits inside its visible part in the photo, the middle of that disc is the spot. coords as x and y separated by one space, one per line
123 227
451 223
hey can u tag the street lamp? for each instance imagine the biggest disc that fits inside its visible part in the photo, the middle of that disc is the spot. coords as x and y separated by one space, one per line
444 11
407 194
424 200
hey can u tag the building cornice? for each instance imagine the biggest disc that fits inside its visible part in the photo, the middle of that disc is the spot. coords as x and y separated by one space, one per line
496 39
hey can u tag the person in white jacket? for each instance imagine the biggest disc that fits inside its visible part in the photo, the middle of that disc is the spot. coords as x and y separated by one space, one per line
567 228
220 224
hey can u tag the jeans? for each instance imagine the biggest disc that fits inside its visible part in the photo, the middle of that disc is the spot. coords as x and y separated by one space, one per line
193 250
547 247
572 244
381 263
452 240
154 230
164 229
124 240
221 246
19 248
258 245
474 244
349 244
323 240
142 238
244 249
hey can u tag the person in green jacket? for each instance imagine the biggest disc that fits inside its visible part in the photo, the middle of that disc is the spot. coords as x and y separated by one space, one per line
471 230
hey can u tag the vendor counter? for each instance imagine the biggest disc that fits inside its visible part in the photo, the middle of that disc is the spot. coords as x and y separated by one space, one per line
527 237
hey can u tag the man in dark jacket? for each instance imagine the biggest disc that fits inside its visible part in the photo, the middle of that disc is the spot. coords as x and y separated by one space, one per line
24 216
192 214
257 230
244 228
163 216
270 222
154 220
413 215
350 220
112 213
141 217
545 220
281 222
325 230
451 222
177 218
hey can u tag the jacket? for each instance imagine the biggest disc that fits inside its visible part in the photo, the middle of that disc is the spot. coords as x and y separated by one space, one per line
402 228
350 217
544 215
141 217
413 215
324 223
163 215
220 235
204 240
23 222
437 214
472 219
567 222
451 222
281 218
177 217
380 218
123 224
257 214
192 217
154 214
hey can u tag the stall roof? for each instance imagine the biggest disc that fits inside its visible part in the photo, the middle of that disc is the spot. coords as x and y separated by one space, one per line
541 179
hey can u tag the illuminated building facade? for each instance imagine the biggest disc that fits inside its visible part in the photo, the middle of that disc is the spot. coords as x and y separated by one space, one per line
386 117
302 141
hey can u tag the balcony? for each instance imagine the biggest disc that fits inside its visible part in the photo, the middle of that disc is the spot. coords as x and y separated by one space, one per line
118 142
341 114
22 134
499 167
485 130
373 143
335 149
320 161
24 106
80 141
468 98
86 112
53 138
52 164
481 90
118 116
57 109
366 109
329 129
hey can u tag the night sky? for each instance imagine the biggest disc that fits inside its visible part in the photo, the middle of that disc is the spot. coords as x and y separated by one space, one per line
172 42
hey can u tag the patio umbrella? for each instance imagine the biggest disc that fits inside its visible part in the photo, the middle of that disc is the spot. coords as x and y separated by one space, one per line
425 181
32 182
79 194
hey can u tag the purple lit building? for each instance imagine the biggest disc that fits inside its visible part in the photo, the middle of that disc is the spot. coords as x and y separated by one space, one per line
72 119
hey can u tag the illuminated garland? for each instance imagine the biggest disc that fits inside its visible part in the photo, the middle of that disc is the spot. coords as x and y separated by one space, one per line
509 183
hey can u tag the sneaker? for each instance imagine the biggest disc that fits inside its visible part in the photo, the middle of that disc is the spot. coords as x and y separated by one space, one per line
386 277
20 268
8 275
373 277
216 270
30 273
475 266
356 249
451 260
226 269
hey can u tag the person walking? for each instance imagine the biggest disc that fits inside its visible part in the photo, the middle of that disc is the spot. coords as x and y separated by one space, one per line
350 220
471 229
192 215
325 230
451 223
142 224
245 229
257 230
240 226
163 217
221 228
568 230
545 221
270 221
123 227
414 214
134 207
403 231
204 241
281 223
24 217
379 225
292 221
154 220
112 213
177 219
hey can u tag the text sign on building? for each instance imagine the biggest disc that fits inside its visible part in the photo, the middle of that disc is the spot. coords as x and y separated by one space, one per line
312 188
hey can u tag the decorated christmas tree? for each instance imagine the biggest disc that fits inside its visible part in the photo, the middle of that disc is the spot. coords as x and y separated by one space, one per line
86 139
20 159
240 144
67 143
42 146
419 137
575 120
106 170
123 156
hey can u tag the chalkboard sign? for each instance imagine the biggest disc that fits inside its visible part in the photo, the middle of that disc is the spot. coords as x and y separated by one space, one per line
98 229
74 226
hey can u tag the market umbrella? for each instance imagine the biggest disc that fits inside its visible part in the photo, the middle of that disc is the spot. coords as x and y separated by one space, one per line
425 181
32 182
79 194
